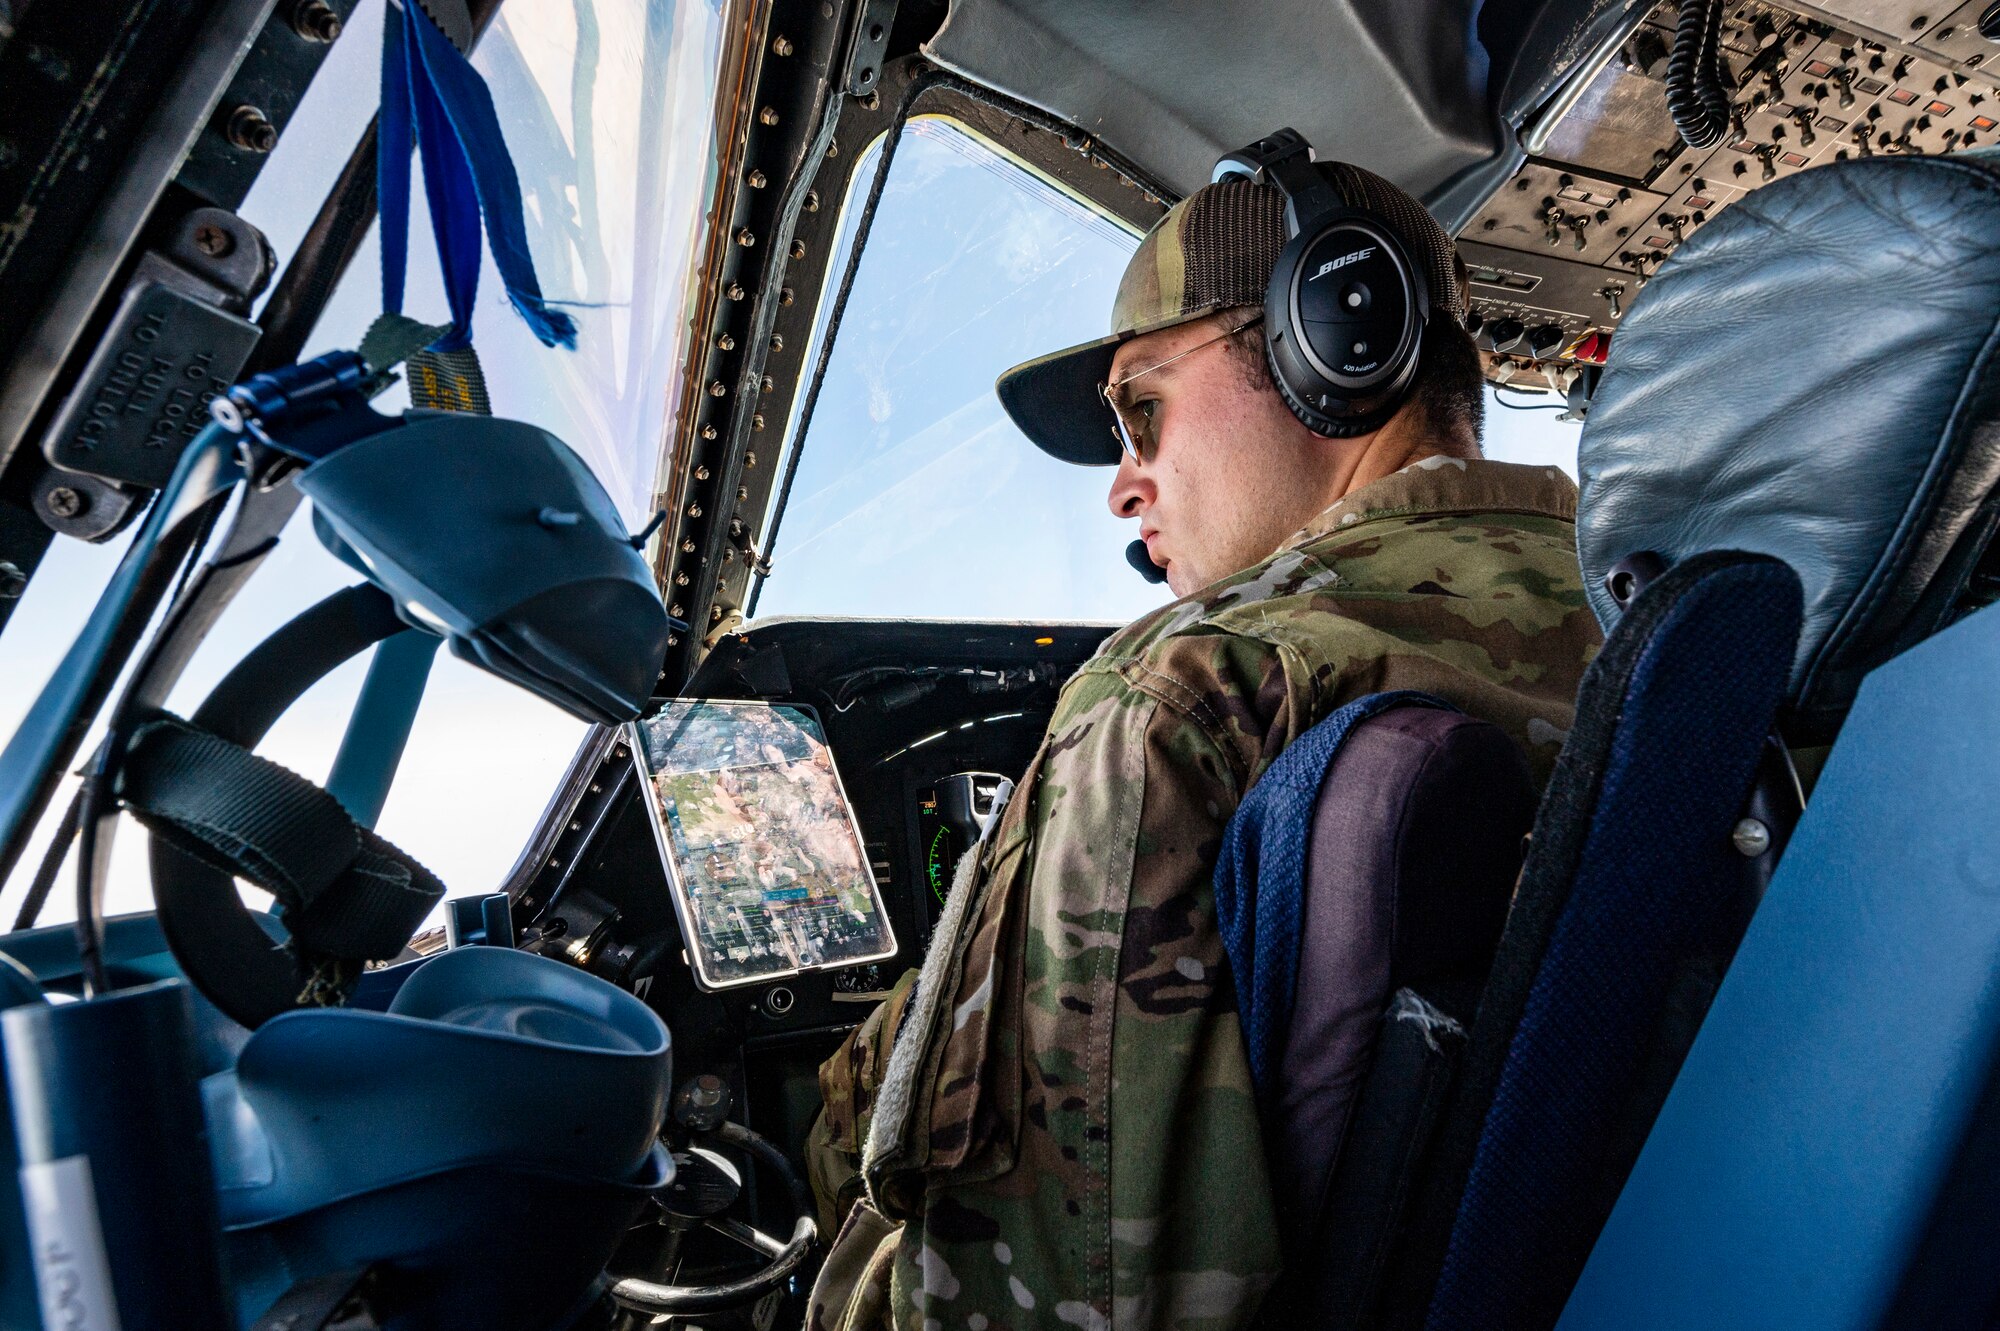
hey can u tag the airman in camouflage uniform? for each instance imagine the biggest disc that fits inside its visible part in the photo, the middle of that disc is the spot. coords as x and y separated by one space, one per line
1054 1126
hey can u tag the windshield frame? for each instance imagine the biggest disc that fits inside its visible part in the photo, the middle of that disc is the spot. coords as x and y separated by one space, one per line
708 558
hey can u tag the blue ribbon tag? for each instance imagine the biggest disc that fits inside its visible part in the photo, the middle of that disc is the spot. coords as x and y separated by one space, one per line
433 99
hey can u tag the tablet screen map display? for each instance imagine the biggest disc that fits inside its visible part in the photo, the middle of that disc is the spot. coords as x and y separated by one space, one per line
761 848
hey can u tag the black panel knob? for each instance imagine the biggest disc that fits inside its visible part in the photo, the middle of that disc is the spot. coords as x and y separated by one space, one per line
1545 340
702 1103
1989 23
1507 334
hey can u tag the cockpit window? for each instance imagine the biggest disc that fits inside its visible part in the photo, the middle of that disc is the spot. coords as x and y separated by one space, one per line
608 109
1533 427
609 112
914 494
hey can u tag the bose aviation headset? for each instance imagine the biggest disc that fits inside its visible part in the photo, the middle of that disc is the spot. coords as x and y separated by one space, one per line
1345 310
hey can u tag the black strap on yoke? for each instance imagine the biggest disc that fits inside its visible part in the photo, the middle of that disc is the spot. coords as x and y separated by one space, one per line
218 812
344 891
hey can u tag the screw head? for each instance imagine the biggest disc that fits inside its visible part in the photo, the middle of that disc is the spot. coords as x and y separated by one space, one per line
316 21
212 240
12 580
1751 838
768 116
756 180
781 45
66 502
250 130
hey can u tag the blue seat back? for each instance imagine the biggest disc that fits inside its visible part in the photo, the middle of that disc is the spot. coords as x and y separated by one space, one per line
1372 863
1830 1155
1809 378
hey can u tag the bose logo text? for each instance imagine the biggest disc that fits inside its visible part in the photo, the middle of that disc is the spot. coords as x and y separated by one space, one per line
1341 262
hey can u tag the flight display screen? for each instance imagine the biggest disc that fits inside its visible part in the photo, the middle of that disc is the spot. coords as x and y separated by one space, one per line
942 845
761 849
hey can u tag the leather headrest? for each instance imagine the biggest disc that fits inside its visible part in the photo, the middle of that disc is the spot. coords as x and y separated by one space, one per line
1812 377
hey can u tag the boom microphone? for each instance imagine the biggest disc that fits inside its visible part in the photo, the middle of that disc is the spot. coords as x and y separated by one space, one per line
1142 563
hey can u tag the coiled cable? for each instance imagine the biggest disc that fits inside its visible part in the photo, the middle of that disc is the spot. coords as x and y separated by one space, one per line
1696 95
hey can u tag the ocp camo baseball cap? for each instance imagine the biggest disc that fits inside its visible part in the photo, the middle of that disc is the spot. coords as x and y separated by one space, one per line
1214 250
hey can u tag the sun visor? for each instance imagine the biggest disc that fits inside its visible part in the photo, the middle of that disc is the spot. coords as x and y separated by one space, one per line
493 534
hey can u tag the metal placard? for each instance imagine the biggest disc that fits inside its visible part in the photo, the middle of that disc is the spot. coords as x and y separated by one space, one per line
145 392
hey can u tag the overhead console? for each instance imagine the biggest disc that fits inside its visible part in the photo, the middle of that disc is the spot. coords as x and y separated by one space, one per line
1610 188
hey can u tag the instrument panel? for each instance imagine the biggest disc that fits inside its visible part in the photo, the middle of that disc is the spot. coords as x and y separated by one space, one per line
927 722
1610 190
946 819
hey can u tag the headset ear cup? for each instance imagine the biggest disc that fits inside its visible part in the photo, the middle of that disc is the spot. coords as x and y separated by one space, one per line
1319 422
1344 278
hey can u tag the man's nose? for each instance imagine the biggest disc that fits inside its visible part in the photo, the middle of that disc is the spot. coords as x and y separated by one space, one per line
1131 493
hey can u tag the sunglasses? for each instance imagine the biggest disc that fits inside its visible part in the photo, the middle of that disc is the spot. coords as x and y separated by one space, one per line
1134 421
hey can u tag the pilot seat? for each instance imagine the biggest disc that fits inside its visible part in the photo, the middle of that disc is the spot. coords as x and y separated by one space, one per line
1788 504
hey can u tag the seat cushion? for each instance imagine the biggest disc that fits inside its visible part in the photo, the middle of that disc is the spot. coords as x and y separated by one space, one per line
1414 845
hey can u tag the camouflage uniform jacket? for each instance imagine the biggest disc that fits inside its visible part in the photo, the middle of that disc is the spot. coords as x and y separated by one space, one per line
1056 1126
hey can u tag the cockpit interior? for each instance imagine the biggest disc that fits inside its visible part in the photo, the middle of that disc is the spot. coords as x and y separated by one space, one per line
351 983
